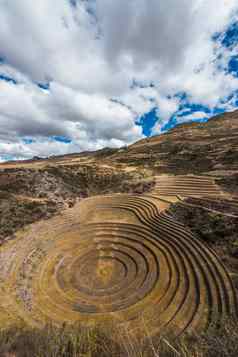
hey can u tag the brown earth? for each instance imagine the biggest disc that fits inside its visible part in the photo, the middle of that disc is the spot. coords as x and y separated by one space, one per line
162 208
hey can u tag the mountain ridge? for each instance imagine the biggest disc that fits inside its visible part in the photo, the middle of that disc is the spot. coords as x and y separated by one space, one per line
225 123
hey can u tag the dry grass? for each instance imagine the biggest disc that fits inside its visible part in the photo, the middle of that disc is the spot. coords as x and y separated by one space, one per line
69 341
27 196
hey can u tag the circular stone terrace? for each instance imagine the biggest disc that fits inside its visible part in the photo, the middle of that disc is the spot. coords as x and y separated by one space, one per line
117 257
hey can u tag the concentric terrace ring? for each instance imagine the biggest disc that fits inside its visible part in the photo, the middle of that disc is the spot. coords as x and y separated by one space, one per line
126 259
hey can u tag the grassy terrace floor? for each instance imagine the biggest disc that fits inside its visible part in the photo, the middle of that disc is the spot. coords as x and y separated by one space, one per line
120 258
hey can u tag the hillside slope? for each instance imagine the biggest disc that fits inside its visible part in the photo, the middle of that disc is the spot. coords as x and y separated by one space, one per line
210 147
145 235
34 189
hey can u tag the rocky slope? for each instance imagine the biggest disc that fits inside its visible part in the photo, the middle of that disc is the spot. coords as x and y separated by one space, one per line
192 171
28 194
210 147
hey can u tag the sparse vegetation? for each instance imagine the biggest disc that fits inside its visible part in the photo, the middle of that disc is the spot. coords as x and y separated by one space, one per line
229 183
211 226
45 187
78 341
216 229
58 187
16 213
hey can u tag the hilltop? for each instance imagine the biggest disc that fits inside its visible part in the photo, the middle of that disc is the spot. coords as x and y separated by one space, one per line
210 147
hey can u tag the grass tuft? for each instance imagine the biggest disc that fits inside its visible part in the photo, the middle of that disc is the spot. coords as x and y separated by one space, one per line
78 341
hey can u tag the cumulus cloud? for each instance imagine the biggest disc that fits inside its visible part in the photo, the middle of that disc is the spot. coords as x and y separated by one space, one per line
107 63
29 111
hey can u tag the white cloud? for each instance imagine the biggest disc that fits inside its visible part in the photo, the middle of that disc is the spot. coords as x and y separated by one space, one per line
192 117
91 121
93 52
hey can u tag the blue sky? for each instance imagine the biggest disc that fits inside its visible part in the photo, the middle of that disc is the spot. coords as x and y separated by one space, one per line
227 40
84 75
6 78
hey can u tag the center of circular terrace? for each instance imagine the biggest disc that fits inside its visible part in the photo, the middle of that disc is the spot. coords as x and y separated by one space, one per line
100 273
